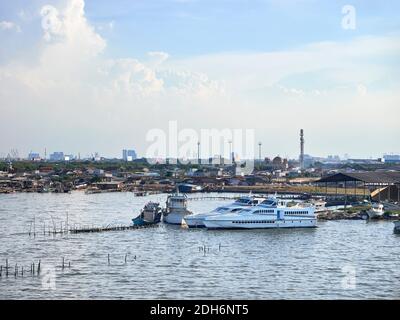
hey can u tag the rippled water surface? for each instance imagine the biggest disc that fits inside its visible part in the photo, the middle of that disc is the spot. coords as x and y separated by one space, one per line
339 259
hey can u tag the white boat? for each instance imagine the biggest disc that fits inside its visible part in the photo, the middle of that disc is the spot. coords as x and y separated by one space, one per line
176 209
375 211
272 213
319 206
197 220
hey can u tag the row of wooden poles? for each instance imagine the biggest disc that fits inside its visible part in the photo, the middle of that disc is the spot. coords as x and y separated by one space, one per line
206 249
125 259
7 270
19 270
65 229
34 269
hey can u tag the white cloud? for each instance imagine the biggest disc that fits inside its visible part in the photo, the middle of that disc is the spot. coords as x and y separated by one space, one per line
8 25
73 86
75 98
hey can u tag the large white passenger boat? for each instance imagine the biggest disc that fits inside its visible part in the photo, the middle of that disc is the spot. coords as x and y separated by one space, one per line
197 220
176 209
271 213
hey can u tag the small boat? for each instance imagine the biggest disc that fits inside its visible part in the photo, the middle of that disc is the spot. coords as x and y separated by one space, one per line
376 211
188 188
176 209
150 214
397 226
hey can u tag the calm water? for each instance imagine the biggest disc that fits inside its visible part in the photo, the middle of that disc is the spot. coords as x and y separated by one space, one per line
339 259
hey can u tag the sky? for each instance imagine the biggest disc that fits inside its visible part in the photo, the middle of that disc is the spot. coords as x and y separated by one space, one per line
97 76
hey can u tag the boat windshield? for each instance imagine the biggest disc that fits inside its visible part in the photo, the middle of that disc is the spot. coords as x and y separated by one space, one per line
221 209
243 201
268 202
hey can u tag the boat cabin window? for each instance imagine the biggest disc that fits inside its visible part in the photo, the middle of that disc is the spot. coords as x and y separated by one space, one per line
221 209
243 201
268 202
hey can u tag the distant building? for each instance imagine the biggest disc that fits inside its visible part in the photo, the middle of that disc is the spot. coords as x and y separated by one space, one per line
391 158
57 156
33 156
69 157
128 155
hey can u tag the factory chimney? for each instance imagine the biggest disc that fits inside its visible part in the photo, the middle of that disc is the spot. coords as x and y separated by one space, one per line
301 149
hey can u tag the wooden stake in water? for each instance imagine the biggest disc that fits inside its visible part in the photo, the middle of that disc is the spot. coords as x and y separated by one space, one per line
108 259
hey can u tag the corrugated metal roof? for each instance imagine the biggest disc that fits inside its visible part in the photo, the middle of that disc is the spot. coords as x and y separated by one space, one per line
387 177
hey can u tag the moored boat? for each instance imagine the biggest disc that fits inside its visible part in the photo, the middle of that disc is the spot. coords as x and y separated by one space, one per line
197 220
176 209
188 188
150 214
376 211
272 213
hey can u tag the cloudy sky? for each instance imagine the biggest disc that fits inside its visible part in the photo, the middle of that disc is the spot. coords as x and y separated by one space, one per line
97 75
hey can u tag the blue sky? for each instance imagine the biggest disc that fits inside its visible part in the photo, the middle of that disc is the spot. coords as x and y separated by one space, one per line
90 73
185 28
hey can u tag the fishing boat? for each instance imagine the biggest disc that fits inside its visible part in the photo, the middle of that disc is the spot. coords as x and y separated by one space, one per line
376 211
271 213
176 209
189 188
197 220
150 214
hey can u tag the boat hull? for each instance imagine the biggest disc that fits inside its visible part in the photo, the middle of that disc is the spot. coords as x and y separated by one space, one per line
260 224
373 214
174 218
194 222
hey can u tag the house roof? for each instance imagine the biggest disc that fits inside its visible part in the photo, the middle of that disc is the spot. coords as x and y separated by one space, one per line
385 177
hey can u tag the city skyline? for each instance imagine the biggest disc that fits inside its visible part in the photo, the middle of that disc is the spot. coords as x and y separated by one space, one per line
81 75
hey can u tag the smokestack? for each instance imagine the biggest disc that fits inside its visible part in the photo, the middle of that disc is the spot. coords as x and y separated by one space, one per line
198 153
301 149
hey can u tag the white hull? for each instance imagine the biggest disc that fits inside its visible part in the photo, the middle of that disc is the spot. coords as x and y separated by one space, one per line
374 213
260 224
194 222
175 217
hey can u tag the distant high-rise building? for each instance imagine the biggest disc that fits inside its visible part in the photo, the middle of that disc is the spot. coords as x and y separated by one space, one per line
34 156
57 156
128 155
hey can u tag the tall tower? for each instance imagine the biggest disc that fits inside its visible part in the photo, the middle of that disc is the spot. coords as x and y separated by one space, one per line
198 153
301 149
259 151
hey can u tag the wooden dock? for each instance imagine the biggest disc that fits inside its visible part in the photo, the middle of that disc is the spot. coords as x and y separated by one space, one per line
84 229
